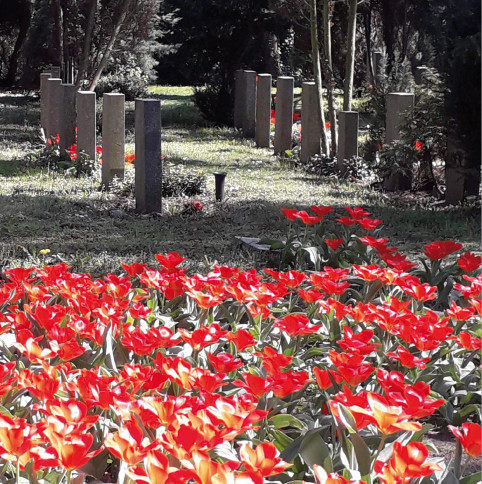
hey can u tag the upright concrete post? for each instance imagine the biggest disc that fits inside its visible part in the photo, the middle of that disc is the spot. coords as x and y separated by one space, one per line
44 101
86 123
377 61
284 114
347 137
249 110
53 96
113 137
397 103
55 71
148 156
238 98
310 122
263 110
67 117
419 74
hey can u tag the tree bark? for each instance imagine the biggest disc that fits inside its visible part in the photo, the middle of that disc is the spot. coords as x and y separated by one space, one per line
57 32
315 54
330 83
350 56
108 50
22 36
84 60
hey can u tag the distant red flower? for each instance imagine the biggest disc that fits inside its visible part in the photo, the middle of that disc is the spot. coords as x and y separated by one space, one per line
290 213
296 116
130 158
441 249
334 243
470 437
72 150
469 262
197 206
327 126
419 145
321 210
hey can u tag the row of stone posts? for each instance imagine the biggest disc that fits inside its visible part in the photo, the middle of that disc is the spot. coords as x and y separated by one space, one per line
252 112
72 115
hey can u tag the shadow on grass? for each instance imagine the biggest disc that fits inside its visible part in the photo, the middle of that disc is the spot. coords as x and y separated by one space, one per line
84 230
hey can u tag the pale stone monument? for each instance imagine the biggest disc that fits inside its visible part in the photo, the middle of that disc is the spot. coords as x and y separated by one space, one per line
347 137
53 96
238 98
284 114
263 110
44 101
397 103
67 117
113 137
249 111
310 122
86 123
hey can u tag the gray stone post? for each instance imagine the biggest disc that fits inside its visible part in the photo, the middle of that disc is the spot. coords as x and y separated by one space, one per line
67 117
148 156
284 114
397 103
113 137
53 96
310 122
249 110
86 123
347 137
377 60
44 101
238 98
263 110
55 71
419 74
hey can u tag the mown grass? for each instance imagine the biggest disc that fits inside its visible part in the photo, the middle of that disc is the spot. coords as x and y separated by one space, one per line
78 222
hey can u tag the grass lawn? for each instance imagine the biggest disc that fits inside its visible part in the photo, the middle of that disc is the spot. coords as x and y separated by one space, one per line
96 231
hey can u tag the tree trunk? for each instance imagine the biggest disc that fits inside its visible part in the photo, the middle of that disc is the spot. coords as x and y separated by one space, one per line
56 32
367 20
13 63
350 56
105 57
315 53
84 60
330 82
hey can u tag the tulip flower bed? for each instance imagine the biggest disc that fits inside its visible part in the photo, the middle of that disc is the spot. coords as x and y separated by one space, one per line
328 375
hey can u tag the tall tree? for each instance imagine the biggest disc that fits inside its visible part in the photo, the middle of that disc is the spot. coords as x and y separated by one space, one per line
87 45
315 55
350 55
330 81
121 17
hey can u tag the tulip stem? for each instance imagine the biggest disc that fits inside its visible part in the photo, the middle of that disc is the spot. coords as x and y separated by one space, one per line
68 476
469 458
17 475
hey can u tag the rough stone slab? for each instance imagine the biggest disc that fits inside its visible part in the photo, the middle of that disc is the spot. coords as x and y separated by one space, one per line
113 137
148 164
310 122
67 117
44 101
347 137
263 110
284 114
397 103
238 98
249 110
86 123
53 96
